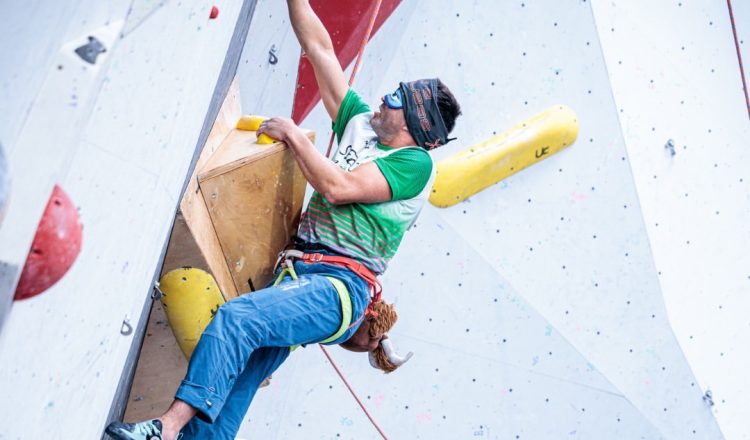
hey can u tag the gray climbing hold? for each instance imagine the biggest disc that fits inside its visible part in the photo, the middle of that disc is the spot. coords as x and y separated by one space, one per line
670 147
90 51
272 58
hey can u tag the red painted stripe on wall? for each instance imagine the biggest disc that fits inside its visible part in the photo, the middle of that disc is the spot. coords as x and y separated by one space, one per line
346 21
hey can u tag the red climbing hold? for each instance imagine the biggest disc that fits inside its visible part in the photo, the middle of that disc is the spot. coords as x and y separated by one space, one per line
214 12
56 245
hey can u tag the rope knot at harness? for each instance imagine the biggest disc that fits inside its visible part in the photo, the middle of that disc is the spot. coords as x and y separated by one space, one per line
370 311
375 294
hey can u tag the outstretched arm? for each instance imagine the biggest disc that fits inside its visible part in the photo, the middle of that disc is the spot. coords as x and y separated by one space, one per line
317 45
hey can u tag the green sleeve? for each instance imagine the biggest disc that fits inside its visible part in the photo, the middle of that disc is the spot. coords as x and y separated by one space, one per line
351 106
407 171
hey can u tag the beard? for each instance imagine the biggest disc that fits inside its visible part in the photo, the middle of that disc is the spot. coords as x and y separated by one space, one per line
383 129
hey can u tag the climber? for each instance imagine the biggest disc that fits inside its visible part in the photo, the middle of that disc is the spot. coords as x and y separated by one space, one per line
364 200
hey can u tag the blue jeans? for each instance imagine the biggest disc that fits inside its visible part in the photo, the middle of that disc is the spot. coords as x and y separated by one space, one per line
249 338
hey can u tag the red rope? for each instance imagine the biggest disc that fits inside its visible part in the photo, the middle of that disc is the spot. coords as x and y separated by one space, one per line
359 59
328 154
739 56
351 390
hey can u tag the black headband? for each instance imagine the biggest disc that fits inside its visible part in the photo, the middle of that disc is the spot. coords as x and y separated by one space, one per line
422 114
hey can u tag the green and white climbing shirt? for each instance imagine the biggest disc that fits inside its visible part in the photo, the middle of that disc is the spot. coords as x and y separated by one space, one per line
369 232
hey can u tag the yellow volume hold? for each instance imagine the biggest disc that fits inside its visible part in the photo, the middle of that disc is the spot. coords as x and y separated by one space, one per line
250 122
191 298
265 139
467 172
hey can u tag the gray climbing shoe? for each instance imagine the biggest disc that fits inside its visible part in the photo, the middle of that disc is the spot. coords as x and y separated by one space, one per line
146 430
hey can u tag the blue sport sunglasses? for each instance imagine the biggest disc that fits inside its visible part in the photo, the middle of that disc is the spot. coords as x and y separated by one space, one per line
395 100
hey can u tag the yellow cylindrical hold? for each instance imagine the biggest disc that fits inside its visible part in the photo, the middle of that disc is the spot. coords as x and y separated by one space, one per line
467 172
265 139
250 122
191 298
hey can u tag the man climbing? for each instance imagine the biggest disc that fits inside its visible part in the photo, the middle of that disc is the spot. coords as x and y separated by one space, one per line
365 199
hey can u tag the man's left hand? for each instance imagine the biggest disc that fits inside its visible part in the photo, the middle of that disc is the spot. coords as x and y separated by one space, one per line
278 128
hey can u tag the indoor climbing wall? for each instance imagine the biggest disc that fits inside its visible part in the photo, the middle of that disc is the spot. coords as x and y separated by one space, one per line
115 124
684 117
599 294
48 88
268 64
540 298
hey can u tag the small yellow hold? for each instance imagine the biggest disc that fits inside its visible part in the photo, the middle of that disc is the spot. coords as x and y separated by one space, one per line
250 122
265 139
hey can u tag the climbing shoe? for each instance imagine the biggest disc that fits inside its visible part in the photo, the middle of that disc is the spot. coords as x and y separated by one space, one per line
146 430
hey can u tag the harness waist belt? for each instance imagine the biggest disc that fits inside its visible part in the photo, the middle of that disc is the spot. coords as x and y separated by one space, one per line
355 266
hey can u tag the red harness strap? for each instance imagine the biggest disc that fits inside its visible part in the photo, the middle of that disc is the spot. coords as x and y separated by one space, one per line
358 268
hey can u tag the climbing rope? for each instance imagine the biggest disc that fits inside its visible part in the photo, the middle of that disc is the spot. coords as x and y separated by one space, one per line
739 56
370 25
366 38
351 390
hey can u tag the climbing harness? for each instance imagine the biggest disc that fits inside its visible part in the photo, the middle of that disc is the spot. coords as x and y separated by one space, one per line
286 263
358 268
343 292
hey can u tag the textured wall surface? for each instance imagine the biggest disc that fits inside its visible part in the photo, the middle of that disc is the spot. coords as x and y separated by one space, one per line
681 83
543 297
601 294
268 66
119 138
49 91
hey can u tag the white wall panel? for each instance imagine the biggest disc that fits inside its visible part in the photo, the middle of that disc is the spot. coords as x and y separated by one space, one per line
52 127
486 364
675 76
566 239
63 352
596 295
266 88
31 33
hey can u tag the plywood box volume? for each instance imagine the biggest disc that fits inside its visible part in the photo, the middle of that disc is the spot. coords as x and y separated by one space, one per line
240 208
254 195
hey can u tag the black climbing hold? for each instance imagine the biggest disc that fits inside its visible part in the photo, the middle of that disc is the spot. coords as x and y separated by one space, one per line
90 51
272 58
669 146
708 398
